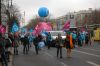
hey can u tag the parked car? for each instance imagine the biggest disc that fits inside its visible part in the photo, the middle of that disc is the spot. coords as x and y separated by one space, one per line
54 35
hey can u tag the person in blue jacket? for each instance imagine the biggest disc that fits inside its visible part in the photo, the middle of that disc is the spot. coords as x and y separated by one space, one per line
83 38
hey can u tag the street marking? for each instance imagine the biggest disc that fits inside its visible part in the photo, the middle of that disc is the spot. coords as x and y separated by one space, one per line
87 53
92 63
48 54
53 57
63 64
58 60
91 49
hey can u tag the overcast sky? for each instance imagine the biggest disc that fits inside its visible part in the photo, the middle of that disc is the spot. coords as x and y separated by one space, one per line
56 7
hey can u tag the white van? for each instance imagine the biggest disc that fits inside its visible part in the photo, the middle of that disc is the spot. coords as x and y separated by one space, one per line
54 34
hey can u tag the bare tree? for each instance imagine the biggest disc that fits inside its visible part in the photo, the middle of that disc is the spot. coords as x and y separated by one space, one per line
11 12
33 22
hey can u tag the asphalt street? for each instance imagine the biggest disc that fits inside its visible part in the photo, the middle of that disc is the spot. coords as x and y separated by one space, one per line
81 56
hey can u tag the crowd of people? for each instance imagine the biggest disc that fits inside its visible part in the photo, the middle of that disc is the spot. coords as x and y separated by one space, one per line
73 39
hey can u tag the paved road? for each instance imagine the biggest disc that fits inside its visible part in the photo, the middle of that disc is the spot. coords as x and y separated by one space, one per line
84 56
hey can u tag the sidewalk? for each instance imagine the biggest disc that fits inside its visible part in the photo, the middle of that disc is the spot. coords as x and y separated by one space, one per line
11 58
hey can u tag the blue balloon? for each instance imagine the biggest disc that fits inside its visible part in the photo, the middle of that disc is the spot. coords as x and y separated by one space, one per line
43 12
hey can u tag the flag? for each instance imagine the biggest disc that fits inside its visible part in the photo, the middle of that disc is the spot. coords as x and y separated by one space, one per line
66 26
15 27
71 42
2 29
41 27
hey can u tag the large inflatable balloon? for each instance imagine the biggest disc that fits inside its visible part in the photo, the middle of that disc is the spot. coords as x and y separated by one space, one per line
43 12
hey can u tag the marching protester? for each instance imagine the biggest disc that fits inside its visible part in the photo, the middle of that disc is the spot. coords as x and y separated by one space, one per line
30 38
36 42
25 45
16 44
22 38
79 39
69 44
83 38
4 60
91 37
8 47
11 38
49 39
59 45
74 37
87 39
